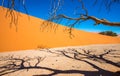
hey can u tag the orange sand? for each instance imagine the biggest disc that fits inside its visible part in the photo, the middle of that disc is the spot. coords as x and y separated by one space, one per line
29 35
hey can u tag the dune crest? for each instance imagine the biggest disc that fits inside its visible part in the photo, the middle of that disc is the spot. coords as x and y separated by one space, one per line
29 35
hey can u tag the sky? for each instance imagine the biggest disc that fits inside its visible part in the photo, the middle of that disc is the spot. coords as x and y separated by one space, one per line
72 8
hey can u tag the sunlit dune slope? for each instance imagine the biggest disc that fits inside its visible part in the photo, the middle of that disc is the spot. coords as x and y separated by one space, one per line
29 35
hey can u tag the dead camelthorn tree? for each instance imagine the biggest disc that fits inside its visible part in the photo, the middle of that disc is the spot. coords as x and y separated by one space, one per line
12 7
56 16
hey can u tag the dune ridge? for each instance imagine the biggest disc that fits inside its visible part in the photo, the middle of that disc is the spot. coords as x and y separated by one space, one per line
29 35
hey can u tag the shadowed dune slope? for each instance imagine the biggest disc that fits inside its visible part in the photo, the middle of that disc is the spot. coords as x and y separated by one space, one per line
29 35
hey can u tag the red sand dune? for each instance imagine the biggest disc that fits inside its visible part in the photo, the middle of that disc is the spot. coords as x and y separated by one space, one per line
29 35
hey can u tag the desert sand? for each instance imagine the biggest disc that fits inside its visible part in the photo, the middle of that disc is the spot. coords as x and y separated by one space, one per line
92 60
29 34
37 50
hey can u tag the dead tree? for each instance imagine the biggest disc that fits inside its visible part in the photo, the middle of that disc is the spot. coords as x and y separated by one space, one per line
56 6
55 17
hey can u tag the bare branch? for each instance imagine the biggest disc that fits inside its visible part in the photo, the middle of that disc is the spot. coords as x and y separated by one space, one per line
83 7
95 19
103 21
11 11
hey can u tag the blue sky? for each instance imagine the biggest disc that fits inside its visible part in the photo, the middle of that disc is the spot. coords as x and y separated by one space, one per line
41 8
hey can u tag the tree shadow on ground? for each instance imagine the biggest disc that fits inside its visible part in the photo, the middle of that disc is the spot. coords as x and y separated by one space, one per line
13 64
87 54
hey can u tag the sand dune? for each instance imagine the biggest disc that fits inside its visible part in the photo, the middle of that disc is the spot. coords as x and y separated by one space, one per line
66 61
98 57
29 35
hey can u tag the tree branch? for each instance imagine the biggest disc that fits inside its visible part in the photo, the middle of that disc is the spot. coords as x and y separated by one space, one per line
103 21
95 19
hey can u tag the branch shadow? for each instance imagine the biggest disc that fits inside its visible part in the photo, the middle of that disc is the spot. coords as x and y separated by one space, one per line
13 64
87 55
